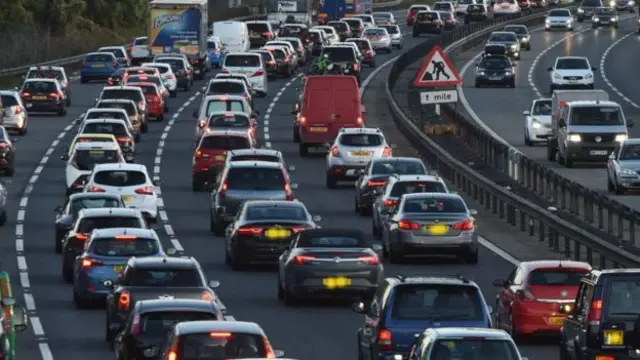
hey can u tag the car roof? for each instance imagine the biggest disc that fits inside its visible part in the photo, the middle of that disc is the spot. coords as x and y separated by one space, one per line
274 203
230 75
121 87
237 113
10 93
219 80
396 159
120 166
112 232
255 151
635 141
241 53
175 304
99 53
101 212
552 264
450 279
456 333
218 97
113 121
375 131
425 177
97 145
182 262
225 132
254 164
92 195
111 47
114 101
47 67
108 109
41 80
431 194
191 327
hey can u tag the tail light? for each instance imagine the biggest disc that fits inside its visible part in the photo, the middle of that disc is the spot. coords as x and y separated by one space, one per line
173 355
287 59
356 67
135 326
224 71
335 152
54 95
113 63
359 120
386 152
268 33
375 183
464 225
302 120
206 296
25 94
297 230
595 312
110 81
89 262
369 260
198 155
18 110
269 353
408 225
95 189
132 49
384 340
147 190
171 77
288 192
64 83
249 231
525 295
184 72
141 105
124 300
124 139
258 73
81 236
222 194
271 63
390 203
303 259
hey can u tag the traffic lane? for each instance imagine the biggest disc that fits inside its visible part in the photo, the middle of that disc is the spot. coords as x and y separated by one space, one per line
621 65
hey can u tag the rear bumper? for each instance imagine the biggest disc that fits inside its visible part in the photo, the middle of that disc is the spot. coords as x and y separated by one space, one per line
43 105
350 172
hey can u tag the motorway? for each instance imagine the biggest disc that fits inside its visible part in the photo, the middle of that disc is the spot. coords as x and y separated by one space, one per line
612 51
313 332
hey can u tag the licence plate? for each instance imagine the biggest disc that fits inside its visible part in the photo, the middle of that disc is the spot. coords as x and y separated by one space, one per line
556 320
220 157
97 65
39 97
598 152
438 229
29 105
127 199
495 78
276 233
118 268
197 71
613 337
361 153
318 129
336 282
351 172
605 22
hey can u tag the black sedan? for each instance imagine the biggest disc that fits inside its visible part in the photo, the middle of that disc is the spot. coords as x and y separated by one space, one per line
117 77
7 153
427 22
67 213
495 70
144 332
154 278
263 230
475 13
329 263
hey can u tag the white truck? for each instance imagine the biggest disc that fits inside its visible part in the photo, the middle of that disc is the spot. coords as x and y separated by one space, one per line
289 11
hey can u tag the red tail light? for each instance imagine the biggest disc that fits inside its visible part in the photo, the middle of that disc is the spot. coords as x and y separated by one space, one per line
18 110
268 33
250 231
464 225
271 63
110 81
356 67
370 260
384 340
258 73
390 203
224 71
408 225
595 312
54 95
89 262
335 152
95 189
386 152
123 139
81 236
297 230
132 49
4 145
222 194
303 259
25 94
288 192
359 120
375 183
525 295
135 326
147 190
123 300
206 296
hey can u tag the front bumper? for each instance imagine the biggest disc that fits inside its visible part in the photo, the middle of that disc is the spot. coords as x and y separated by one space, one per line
577 84
589 152
539 133
494 79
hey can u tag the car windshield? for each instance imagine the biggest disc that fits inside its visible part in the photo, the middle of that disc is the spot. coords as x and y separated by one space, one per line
441 6
435 205
220 346
167 277
176 64
361 140
87 159
159 322
8 100
384 16
258 27
503 37
225 142
229 121
88 224
242 61
256 157
45 74
389 167
315 36
124 246
474 348
446 15
266 55
495 62
596 115
161 68
224 105
542 108
141 41
431 16
465 2
362 44
518 30
409 187
591 3
630 152
392 29
106 115
146 89
129 107
117 129
437 302
475 8
623 297
280 212
121 94
40 87
117 52
559 13
556 277
353 23
340 54
255 178
278 54
94 203
120 178
418 8
99 58
321 241
226 87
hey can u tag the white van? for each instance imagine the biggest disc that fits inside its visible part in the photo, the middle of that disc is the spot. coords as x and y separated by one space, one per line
233 34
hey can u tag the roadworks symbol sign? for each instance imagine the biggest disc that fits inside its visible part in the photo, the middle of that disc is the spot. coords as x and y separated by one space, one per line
437 71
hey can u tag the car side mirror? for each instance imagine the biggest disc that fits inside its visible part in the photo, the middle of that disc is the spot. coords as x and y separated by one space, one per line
490 309
20 318
195 114
630 123
214 284
473 212
291 168
108 284
612 156
316 218
278 353
562 123
58 210
500 283
526 113
172 252
377 248
295 109
358 307
549 69
64 157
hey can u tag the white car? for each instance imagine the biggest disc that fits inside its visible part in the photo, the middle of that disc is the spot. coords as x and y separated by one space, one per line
286 44
131 182
351 151
225 120
462 5
537 126
167 75
331 33
384 18
559 18
115 127
367 19
139 49
216 103
250 64
15 116
84 157
379 38
443 6
506 7
396 35
112 113
571 72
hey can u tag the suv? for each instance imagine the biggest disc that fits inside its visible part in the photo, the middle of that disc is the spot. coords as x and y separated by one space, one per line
52 72
403 306
427 22
604 322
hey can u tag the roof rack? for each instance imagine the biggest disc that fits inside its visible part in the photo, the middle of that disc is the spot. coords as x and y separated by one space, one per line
402 277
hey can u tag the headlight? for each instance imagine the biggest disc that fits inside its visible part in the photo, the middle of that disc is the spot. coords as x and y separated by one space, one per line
596 19
612 3
514 47
508 73
621 137
614 19
525 39
536 124
574 138
480 73
588 76
631 3
557 76
628 172
580 11
547 21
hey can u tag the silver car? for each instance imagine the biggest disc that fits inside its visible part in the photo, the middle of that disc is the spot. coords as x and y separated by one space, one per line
379 38
623 167
509 40
396 35
269 155
384 18
15 116
225 120
430 224
559 18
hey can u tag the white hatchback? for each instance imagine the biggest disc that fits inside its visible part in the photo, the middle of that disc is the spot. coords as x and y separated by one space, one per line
84 157
250 64
131 182
167 75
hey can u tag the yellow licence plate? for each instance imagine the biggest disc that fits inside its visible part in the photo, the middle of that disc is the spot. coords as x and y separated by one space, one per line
336 282
613 337
220 157
438 229
556 320
118 268
360 153
97 65
39 97
277 233
127 199
318 129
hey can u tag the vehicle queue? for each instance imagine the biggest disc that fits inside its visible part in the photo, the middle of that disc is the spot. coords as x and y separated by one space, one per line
159 303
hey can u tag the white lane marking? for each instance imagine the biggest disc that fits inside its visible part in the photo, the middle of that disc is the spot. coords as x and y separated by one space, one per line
603 72
272 104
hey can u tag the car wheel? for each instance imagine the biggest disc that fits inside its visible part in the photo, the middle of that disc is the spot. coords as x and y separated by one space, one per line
67 273
394 256
237 264
610 186
296 135
527 139
62 112
471 257
219 229
79 302
512 328
356 206
68 101
173 94
619 190
289 298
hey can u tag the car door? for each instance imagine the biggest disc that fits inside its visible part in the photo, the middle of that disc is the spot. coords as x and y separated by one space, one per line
574 332
612 164
372 322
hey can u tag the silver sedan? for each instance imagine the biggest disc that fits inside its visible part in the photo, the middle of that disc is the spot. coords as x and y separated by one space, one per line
623 167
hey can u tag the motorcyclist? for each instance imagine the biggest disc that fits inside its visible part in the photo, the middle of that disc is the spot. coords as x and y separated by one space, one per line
321 64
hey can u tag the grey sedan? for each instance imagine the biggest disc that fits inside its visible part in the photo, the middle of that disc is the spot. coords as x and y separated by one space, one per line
623 167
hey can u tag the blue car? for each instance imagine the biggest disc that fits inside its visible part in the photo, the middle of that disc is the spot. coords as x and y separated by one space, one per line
98 66
216 52
404 306
105 255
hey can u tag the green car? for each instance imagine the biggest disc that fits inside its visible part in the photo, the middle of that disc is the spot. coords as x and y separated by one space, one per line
13 319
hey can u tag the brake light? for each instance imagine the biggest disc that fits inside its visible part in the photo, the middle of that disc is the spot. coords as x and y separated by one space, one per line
359 120
54 95
595 312
218 334
25 94
18 110
224 70
268 33
124 300
356 67
4 145
64 83
198 154
303 259
258 73
525 295
390 203
123 139
222 194
369 260
384 340
92 188
135 326
386 152
270 354
141 105
302 120
464 225
335 152
297 230
132 49
110 81
206 296
89 262
250 231
408 225
126 237
271 63
288 192
147 190
173 355
81 236
375 183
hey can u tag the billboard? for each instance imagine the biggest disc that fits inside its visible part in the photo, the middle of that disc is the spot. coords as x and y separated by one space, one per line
170 25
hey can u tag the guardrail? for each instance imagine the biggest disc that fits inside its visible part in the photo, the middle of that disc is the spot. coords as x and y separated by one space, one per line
561 235
78 58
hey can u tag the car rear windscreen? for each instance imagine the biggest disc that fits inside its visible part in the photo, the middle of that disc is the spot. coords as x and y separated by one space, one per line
229 121
434 205
116 52
88 224
392 29
389 167
40 87
87 159
105 128
127 106
340 54
441 6
340 26
242 61
623 299
98 58
176 64
8 100
268 158
223 345
437 302
106 115
268 212
225 142
148 90
361 140
330 241
556 277
120 178
409 187
94 203
258 28
163 277
225 87
45 74
124 247
141 41
159 322
474 348
255 178
278 54
121 94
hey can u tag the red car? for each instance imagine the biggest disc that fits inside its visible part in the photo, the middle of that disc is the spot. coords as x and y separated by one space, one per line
155 101
524 4
537 296
413 10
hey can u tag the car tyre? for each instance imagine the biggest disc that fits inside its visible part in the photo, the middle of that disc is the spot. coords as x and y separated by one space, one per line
610 186
108 335
619 190
394 256
68 101
280 291
218 229
471 257
10 170
79 302
356 206
3 217
296 135
512 84
527 140
289 298
331 182
67 274
514 335
62 112
58 239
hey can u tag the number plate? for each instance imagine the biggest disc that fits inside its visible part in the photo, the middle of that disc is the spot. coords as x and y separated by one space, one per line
127 199
495 78
118 268
556 320
360 153
438 229
350 172
318 129
598 152
605 23
220 157
275 234
39 97
97 65
336 282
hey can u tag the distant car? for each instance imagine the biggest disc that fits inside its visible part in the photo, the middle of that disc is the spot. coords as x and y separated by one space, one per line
522 32
139 50
506 7
98 66
623 167
427 22
537 127
413 11
43 95
7 153
384 18
605 17
559 18
52 72
509 40
396 35
122 57
449 20
475 13
379 38
216 51
82 160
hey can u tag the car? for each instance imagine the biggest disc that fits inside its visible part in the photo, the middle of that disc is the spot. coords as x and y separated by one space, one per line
476 13
133 93
89 138
269 62
52 72
139 50
88 220
352 45
342 28
622 167
319 40
216 51
375 175
167 75
4 195
228 87
121 54
118 113
395 186
571 72
43 95
227 338
115 127
525 4
250 64
241 181
7 153
262 230
284 66
226 120
495 70
260 32
104 257
344 57
82 160
382 18
605 17
209 154
604 317
236 76
351 151
559 18
290 48
427 22
330 32
461 6
366 49
269 155
181 69
623 5
587 8
506 8
98 66
537 126
137 118
156 105
329 263
140 71
356 25
15 117
413 11
301 51
395 33
420 218
66 214
136 80
455 342
522 32
216 103
131 181
509 40
379 38
148 278
443 6
144 331
367 19
117 78
449 20
406 305
537 296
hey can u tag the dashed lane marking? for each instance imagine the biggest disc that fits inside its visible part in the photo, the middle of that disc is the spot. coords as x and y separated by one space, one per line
603 72
272 104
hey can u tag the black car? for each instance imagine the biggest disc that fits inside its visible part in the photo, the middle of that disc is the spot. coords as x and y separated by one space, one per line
475 12
88 220
284 67
342 28
346 58
604 322
154 278
522 32
44 95
587 8
427 22
146 327
7 153
605 17
181 70
117 77
495 70
269 62
67 213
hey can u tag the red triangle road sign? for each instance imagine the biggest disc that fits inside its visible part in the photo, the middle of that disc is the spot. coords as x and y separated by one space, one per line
437 70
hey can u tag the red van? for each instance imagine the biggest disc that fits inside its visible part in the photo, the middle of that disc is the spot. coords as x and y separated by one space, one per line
329 103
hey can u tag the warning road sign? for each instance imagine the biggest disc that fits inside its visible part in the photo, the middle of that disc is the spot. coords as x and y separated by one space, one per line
437 70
